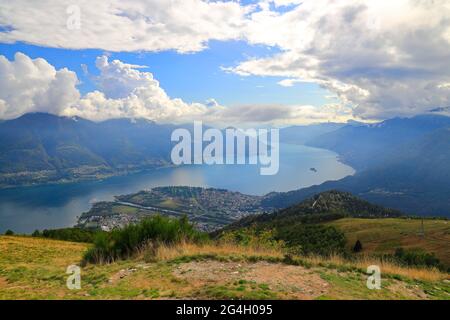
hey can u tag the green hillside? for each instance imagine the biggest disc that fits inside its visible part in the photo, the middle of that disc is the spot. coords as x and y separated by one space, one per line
41 148
385 235
326 206
32 268
306 251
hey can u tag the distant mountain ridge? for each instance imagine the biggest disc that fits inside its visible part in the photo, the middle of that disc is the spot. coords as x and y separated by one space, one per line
365 146
40 147
302 134
402 163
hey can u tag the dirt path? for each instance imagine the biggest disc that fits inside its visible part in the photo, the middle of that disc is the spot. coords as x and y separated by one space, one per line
296 281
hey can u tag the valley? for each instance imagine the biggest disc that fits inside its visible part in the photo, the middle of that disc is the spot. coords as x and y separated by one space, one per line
49 206
401 162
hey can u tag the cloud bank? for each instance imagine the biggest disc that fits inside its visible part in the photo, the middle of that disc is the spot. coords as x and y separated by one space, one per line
115 25
125 90
383 58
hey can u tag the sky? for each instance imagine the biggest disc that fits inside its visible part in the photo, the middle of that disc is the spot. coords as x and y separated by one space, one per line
278 62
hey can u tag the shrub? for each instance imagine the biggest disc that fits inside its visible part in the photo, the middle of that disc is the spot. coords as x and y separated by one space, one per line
416 258
68 234
36 233
313 239
357 247
9 232
251 237
304 239
123 243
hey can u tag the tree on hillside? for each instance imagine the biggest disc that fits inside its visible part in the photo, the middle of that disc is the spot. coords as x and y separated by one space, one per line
36 233
357 247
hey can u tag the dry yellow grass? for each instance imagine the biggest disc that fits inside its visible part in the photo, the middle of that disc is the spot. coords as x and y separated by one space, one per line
166 252
386 267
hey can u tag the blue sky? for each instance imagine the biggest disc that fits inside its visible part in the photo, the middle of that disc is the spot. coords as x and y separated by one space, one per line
284 59
194 77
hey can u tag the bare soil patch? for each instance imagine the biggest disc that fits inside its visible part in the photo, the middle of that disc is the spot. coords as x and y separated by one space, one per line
296 281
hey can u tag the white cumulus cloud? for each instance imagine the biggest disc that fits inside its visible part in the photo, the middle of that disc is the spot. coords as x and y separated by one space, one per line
28 85
127 91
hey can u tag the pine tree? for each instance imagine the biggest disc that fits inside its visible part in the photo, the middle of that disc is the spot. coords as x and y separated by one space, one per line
358 247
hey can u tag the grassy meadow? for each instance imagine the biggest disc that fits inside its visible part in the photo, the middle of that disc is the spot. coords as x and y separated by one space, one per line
35 268
385 235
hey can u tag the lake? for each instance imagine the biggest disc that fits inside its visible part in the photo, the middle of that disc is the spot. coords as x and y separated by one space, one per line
26 209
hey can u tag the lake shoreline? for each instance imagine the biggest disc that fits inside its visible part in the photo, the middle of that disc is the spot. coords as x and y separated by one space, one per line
57 205
86 179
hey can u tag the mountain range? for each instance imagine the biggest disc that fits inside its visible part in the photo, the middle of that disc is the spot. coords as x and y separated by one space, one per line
40 147
402 163
365 146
